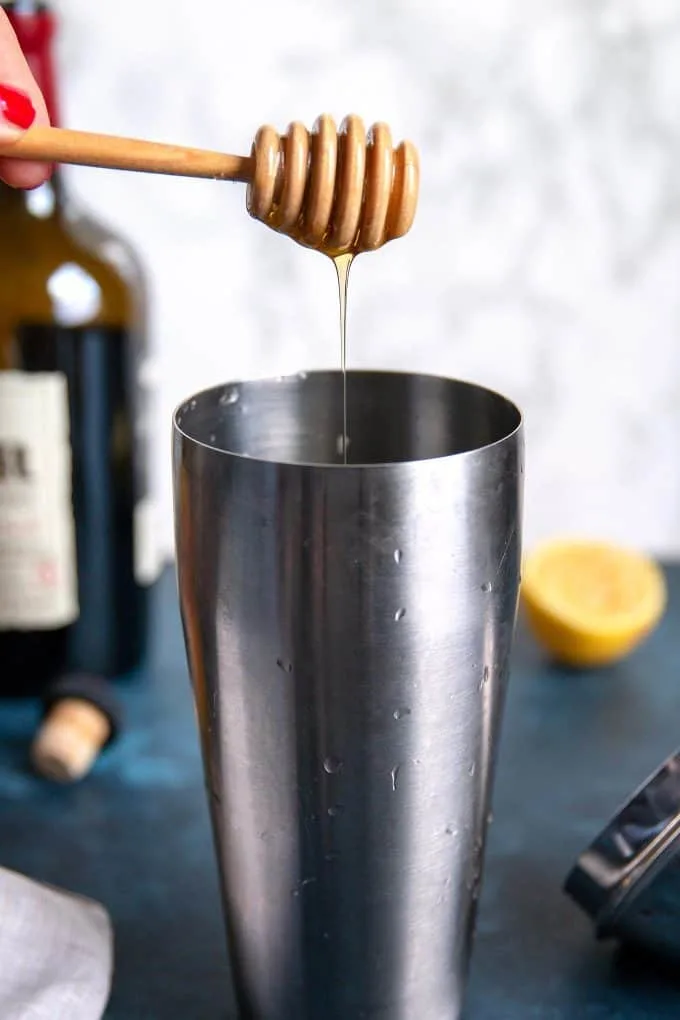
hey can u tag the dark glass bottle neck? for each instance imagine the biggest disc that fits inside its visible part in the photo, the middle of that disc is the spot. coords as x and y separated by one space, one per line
35 27
45 202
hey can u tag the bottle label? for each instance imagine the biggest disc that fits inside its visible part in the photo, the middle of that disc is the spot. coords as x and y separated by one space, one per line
148 564
38 568
148 557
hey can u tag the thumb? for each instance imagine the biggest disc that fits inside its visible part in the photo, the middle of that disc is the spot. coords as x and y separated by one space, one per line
21 105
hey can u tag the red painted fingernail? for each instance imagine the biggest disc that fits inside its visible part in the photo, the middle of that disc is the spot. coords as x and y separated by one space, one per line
16 107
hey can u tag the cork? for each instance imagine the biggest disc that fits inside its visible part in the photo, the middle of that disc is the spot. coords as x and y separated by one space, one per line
81 718
70 740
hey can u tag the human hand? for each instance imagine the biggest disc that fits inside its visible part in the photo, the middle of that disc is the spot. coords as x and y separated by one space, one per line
21 105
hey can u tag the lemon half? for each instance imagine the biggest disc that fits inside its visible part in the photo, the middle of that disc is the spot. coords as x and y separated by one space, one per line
591 603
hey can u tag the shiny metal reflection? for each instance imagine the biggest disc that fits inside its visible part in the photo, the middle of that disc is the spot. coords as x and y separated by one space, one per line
628 879
348 632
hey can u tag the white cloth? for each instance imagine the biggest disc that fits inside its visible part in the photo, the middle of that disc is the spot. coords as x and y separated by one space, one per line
56 953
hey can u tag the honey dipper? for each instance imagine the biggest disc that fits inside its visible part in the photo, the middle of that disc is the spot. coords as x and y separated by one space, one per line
339 191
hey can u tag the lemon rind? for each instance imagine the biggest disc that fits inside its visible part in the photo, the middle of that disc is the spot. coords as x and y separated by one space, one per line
614 625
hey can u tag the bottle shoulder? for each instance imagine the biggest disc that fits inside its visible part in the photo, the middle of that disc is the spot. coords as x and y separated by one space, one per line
105 245
65 267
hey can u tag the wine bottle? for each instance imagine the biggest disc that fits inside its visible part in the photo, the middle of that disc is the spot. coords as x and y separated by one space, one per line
76 517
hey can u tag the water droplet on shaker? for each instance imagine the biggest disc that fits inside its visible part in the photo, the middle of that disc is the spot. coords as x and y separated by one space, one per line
450 831
485 678
287 667
486 587
301 885
192 405
302 375
212 438
394 776
230 396
332 765
335 810
341 442
471 768
399 615
397 555
399 713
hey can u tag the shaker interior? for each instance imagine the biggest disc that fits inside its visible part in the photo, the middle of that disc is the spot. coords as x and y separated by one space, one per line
392 417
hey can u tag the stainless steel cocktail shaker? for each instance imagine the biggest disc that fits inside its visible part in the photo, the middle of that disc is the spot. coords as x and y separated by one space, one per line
348 630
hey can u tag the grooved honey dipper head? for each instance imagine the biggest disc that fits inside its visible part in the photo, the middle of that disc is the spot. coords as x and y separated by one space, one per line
341 192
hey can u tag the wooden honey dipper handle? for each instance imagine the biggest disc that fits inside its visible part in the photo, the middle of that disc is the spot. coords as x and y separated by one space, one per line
83 148
339 191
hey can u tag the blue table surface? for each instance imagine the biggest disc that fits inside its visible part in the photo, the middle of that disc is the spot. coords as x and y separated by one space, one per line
135 835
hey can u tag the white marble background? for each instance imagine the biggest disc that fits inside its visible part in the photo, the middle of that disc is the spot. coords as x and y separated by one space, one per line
545 259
